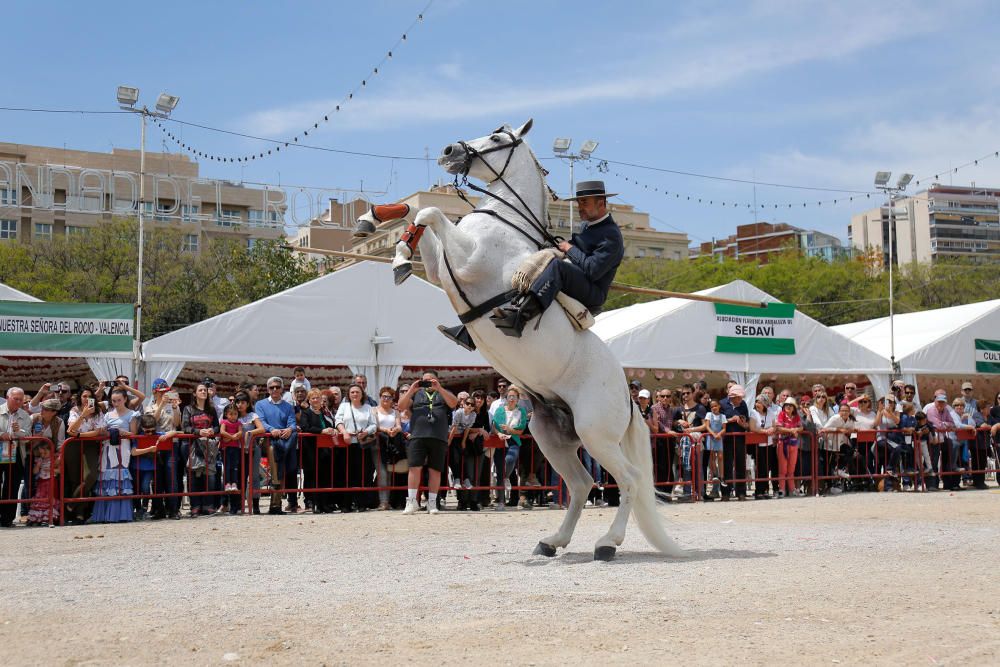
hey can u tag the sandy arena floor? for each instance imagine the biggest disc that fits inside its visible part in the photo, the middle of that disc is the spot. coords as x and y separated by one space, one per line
857 579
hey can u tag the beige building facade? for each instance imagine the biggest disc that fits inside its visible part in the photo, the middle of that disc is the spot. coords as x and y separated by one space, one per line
941 222
47 192
641 240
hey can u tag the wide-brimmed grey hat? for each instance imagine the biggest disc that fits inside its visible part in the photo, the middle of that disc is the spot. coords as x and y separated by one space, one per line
591 189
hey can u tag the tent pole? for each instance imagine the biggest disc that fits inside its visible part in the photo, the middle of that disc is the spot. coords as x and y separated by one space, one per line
618 287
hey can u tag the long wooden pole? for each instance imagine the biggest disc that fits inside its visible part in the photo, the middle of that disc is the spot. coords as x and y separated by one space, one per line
618 287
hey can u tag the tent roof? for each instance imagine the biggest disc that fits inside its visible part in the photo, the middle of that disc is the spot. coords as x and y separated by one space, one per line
328 321
679 333
936 341
8 293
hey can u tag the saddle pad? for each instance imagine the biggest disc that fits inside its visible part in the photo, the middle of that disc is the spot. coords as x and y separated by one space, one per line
577 313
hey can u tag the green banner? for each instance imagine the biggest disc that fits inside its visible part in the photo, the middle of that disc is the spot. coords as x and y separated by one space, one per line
749 330
987 356
66 327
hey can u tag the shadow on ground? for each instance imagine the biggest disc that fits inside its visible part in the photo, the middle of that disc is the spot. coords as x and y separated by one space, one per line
627 557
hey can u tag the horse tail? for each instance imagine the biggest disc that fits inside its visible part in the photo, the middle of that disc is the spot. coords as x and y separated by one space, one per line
636 447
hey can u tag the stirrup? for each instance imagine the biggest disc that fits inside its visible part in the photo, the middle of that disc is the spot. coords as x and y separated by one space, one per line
459 335
512 319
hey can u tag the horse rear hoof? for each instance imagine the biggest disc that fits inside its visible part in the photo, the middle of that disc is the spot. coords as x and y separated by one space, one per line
402 272
546 550
604 553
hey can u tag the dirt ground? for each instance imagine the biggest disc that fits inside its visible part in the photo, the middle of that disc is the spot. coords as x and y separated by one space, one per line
857 579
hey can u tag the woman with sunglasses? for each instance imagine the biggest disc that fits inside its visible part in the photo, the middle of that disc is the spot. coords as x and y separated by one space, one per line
390 442
463 418
865 418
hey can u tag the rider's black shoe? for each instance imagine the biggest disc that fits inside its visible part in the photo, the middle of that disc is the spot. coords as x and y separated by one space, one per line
512 319
459 335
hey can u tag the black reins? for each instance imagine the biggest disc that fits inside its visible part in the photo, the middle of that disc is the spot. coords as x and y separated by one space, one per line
471 153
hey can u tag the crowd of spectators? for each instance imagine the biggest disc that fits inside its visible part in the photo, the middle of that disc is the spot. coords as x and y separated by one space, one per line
108 453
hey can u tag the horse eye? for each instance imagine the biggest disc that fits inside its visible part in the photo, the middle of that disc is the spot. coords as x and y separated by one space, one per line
494 138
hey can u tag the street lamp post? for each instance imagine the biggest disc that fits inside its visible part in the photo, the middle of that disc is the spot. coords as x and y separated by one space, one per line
128 97
561 148
882 183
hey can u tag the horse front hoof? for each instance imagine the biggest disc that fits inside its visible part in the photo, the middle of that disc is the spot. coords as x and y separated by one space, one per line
604 553
546 550
402 272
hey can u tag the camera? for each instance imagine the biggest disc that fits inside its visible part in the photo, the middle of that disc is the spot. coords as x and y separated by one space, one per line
424 384
110 384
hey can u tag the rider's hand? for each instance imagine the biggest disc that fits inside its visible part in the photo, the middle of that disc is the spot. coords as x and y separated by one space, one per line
564 246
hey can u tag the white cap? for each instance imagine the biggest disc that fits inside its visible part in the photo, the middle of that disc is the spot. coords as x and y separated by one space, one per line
644 393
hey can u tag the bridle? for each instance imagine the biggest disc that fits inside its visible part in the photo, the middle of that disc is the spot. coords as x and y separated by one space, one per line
534 223
461 180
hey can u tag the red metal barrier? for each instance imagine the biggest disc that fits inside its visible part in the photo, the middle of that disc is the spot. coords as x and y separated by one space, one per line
40 506
87 489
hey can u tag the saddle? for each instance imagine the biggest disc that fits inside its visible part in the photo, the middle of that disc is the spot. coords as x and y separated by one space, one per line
532 267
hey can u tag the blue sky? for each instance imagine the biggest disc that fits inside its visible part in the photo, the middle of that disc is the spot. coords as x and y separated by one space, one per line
813 94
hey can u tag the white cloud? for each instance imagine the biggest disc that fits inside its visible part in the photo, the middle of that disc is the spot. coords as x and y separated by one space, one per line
705 51
926 147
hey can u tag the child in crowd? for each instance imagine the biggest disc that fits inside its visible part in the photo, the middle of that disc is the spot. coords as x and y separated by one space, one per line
907 423
715 424
923 433
43 509
145 466
300 379
231 432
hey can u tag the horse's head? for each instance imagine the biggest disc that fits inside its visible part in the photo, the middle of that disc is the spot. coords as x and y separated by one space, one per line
485 158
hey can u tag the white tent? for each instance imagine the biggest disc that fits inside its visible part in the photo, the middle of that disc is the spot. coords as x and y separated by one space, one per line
931 342
8 293
354 317
680 334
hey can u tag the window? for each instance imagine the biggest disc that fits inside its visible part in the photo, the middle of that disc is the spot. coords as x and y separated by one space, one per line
74 230
42 230
188 212
251 243
190 243
258 219
8 196
162 211
229 217
8 229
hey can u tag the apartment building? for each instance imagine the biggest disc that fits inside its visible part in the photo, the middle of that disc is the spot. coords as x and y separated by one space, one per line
943 221
46 192
758 241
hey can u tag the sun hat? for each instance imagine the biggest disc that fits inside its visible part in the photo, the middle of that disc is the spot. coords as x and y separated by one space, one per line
737 390
790 401
591 189
51 404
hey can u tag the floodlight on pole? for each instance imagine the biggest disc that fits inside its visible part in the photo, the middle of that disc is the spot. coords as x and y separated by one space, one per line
166 102
882 183
128 97
561 148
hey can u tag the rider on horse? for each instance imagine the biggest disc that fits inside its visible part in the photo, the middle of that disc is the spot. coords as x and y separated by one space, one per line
594 255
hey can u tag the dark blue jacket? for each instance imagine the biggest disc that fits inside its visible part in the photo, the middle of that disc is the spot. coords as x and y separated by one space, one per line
598 250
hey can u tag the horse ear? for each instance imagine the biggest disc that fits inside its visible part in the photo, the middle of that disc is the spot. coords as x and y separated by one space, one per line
524 129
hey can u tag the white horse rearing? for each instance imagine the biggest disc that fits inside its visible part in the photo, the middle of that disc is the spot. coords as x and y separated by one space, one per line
578 388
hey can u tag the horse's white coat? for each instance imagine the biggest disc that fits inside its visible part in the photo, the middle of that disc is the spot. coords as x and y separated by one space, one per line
552 359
